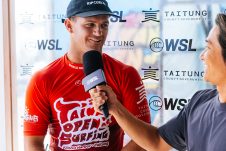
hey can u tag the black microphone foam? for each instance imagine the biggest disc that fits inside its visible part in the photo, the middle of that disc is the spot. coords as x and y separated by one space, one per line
92 61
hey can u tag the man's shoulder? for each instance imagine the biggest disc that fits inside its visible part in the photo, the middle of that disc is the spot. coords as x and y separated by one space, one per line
50 69
114 63
205 94
201 97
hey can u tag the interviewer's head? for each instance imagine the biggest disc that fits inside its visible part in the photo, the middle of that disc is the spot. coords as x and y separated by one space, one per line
221 23
214 55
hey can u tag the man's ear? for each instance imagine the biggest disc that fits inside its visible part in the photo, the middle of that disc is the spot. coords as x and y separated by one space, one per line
68 25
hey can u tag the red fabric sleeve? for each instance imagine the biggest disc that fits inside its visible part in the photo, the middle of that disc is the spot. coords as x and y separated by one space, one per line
37 113
134 94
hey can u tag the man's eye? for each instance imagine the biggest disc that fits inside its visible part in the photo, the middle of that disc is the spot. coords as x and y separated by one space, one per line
90 25
105 26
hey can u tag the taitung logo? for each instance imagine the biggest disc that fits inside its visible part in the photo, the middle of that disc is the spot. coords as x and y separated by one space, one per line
185 15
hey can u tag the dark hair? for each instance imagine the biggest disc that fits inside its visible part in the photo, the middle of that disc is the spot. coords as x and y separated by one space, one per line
221 23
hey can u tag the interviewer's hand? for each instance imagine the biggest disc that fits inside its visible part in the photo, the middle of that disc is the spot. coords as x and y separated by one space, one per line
103 93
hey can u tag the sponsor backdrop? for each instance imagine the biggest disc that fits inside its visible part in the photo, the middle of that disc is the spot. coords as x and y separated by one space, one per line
161 39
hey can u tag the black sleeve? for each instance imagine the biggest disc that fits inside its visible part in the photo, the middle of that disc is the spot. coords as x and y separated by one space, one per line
174 131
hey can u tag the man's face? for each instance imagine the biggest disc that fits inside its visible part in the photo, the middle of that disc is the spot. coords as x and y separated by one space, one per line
214 65
89 33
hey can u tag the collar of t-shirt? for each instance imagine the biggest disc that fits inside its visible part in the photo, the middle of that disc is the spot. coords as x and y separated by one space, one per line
76 66
219 106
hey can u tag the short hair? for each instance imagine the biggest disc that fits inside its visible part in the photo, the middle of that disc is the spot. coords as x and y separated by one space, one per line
221 23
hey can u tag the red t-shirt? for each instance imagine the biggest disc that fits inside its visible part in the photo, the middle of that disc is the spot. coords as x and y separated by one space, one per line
56 99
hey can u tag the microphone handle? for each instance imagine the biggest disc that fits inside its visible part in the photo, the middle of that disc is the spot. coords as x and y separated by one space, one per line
104 108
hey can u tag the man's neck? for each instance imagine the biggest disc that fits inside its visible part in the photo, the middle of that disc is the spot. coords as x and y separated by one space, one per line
75 58
222 92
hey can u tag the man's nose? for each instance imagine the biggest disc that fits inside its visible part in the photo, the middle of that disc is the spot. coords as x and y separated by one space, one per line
98 31
201 56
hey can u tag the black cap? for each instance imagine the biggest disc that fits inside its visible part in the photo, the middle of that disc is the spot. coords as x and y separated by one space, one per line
87 8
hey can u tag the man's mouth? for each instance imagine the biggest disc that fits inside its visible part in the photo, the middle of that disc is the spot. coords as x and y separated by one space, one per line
205 67
96 41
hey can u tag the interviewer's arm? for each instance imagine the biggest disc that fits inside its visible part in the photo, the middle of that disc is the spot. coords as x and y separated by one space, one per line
34 143
142 133
132 146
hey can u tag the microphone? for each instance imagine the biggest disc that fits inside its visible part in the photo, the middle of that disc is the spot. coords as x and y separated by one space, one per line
93 69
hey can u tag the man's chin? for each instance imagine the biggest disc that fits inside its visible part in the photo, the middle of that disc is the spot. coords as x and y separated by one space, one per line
208 80
95 48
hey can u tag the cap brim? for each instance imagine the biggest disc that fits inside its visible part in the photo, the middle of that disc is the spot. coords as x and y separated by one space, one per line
96 13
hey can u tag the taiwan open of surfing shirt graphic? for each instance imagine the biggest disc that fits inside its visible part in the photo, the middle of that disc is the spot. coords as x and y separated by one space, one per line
56 101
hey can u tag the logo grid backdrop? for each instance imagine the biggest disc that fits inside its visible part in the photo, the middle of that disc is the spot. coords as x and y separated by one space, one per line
129 41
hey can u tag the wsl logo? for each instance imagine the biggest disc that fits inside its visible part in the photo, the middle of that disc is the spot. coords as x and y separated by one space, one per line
117 19
179 44
49 44
156 103
175 104
156 45
171 45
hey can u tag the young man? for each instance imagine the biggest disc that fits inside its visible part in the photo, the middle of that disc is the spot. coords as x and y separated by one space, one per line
201 125
56 99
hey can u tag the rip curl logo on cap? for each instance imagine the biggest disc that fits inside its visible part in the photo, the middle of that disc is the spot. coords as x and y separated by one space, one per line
96 3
